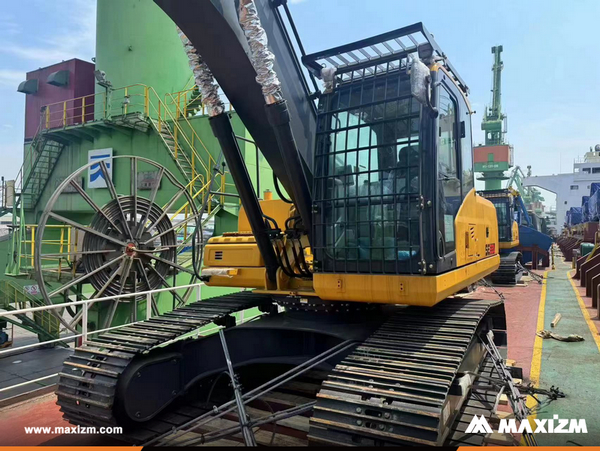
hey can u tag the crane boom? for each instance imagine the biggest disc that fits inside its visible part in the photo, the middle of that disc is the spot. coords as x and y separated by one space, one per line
493 120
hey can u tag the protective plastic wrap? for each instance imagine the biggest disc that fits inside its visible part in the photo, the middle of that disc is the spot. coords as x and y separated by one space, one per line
205 81
594 205
574 216
418 74
262 58
221 272
585 208
328 77
593 188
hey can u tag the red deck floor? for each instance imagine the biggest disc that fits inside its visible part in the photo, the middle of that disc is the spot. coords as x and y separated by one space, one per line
521 304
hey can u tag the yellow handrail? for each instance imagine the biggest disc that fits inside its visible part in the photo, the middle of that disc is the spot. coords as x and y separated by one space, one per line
180 132
145 100
80 110
64 240
181 99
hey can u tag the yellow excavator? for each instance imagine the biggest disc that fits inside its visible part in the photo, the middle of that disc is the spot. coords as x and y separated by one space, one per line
356 266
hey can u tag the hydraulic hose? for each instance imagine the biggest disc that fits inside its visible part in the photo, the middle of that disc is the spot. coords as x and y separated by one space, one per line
279 118
278 190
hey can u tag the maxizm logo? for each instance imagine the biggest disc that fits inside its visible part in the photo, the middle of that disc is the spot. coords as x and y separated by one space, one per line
479 425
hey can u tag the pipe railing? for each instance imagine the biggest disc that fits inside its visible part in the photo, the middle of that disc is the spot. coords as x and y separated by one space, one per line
85 333
136 98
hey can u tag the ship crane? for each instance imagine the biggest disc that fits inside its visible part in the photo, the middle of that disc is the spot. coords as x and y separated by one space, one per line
494 120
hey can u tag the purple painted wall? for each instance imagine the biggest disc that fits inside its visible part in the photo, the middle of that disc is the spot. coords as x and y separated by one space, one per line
81 83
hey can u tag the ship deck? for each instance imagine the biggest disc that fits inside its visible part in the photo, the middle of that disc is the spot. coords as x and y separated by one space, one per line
529 307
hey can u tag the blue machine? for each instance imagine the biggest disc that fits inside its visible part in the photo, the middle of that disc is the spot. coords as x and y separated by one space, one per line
510 208
3 335
575 216
529 236
590 207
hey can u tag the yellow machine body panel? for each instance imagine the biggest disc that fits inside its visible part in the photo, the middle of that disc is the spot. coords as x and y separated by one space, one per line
275 208
235 261
241 278
476 226
515 235
409 290
232 251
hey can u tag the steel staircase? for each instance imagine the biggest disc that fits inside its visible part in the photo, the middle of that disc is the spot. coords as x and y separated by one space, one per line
182 159
44 153
186 103
194 105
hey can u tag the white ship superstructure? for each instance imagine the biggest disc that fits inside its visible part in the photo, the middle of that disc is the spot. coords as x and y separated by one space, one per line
570 187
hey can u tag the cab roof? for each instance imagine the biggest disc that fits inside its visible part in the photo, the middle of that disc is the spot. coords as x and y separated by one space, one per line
379 55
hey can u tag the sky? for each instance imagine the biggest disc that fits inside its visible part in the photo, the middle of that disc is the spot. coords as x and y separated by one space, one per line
34 34
550 82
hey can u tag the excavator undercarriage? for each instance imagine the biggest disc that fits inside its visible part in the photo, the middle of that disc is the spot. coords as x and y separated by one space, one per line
383 380
510 270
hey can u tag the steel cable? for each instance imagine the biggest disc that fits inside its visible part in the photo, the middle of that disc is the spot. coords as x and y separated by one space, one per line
92 242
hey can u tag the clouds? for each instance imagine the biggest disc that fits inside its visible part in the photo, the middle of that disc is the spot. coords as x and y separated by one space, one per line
74 37
11 77
36 33
9 26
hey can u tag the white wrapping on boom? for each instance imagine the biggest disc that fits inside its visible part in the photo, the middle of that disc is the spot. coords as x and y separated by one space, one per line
419 74
260 55
328 77
209 89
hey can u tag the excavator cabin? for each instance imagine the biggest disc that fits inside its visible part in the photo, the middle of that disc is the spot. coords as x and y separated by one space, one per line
508 226
395 217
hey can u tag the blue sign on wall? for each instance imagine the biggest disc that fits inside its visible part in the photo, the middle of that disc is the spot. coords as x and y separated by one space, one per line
95 175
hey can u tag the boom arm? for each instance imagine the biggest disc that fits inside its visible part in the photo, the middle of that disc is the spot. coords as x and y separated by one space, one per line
521 209
212 27
493 119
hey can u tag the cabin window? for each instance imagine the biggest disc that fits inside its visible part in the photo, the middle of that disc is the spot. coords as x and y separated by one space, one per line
466 159
367 180
449 183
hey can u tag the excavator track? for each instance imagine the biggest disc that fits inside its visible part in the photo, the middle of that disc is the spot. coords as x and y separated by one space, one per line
396 387
398 378
87 385
510 270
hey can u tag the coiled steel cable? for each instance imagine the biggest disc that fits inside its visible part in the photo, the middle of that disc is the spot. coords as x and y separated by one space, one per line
152 280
